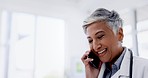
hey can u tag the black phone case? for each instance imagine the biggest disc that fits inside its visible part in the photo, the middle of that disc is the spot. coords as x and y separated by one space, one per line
96 60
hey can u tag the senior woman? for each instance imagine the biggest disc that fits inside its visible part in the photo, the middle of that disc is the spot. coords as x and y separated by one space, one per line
104 32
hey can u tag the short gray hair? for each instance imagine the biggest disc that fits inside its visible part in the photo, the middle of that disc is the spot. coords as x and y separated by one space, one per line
103 15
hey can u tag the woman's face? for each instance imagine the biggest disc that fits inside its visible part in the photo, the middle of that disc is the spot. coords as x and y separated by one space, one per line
104 42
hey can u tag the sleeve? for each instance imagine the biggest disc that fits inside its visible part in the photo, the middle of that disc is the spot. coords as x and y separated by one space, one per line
145 72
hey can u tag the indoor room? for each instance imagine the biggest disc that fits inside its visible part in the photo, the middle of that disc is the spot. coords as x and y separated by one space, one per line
45 38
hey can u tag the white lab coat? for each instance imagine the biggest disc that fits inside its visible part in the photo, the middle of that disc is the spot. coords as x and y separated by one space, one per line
140 67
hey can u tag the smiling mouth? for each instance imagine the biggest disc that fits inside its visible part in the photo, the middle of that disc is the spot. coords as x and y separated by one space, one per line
102 51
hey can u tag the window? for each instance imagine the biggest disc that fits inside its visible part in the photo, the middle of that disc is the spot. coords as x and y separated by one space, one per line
21 62
127 40
49 48
36 46
142 38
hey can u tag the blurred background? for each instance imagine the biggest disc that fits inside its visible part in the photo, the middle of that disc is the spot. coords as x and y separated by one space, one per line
45 39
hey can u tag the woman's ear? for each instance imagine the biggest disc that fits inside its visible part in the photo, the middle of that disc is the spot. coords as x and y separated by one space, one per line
120 34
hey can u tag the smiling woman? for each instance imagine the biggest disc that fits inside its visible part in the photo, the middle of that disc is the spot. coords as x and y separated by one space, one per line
104 41
105 34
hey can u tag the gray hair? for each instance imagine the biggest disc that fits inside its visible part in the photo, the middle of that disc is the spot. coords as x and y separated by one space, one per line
103 15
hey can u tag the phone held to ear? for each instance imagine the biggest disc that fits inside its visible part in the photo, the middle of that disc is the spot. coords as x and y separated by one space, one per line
96 60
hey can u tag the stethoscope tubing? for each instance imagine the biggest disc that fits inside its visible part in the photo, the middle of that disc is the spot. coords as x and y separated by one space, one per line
131 64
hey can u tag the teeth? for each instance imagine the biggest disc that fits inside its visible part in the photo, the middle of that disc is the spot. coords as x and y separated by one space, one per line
101 51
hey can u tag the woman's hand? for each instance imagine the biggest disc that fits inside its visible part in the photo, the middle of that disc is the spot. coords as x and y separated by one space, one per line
90 71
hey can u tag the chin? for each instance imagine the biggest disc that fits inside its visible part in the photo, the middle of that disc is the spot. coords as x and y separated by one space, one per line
104 60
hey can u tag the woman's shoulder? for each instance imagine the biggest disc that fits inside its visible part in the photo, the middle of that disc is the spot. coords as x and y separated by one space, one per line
140 61
140 67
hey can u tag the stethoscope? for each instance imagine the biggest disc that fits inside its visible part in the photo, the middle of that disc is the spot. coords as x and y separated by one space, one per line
130 67
131 64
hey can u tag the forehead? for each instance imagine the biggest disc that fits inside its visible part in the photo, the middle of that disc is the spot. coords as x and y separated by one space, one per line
98 27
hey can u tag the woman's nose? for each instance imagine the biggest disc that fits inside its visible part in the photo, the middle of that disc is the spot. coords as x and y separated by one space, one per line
96 45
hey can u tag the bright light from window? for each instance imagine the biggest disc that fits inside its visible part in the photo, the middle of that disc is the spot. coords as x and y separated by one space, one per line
143 44
50 48
21 62
36 46
127 40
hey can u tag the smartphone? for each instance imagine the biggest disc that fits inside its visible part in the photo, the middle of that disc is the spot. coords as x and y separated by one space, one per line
96 60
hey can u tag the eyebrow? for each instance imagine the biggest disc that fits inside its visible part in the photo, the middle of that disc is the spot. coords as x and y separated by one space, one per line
99 32
96 33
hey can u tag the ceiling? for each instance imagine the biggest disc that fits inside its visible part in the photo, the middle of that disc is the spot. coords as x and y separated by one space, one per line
119 5
88 6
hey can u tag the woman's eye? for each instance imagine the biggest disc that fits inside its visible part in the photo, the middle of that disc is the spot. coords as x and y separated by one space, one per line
90 41
100 36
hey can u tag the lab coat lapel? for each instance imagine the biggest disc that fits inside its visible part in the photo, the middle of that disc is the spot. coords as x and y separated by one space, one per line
102 71
125 66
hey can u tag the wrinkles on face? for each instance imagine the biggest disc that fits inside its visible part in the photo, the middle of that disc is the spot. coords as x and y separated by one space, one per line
103 41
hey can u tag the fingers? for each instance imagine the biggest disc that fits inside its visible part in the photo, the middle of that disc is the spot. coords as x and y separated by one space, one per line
85 58
86 62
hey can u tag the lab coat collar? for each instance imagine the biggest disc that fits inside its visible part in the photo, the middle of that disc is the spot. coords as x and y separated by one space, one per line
125 66
124 69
